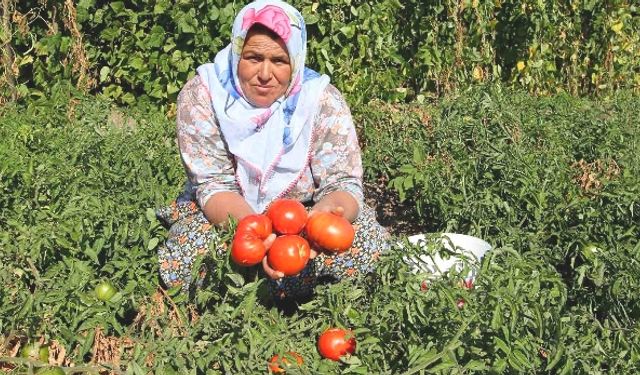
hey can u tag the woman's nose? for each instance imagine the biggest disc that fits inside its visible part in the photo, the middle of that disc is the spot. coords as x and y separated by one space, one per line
264 73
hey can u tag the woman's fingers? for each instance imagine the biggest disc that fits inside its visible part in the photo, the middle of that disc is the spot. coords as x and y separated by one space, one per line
273 274
313 254
338 210
269 241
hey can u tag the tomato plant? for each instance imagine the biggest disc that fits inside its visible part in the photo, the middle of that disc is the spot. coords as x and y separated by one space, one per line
277 362
247 249
330 231
259 224
289 254
53 370
336 342
105 291
76 184
288 216
35 351
590 250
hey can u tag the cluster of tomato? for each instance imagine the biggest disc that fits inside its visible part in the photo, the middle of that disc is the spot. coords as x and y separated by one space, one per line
296 233
332 344
36 351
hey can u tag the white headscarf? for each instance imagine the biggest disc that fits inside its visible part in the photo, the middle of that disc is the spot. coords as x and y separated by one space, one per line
271 145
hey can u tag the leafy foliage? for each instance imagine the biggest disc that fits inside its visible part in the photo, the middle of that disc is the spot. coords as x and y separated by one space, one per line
386 49
79 179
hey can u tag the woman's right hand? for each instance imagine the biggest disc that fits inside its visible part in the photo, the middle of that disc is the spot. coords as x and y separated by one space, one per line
271 273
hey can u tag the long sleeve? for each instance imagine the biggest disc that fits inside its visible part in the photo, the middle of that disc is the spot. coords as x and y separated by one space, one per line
336 163
207 162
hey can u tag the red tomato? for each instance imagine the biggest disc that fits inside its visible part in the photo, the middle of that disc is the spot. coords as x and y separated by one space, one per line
288 216
259 224
424 286
277 362
336 342
289 254
330 231
460 303
247 249
467 284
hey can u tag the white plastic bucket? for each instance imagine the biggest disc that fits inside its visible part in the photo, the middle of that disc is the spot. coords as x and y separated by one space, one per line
463 250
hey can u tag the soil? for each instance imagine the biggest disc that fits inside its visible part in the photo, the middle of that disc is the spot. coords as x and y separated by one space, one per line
398 217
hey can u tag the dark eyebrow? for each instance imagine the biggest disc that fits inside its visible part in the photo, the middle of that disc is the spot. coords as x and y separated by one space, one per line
250 53
282 57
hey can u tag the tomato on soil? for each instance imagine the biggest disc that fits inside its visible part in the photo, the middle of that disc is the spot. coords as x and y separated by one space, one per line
105 291
330 231
35 351
259 224
336 342
287 215
247 249
277 362
289 254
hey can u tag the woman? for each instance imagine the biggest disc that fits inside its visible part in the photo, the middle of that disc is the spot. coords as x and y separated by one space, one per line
257 125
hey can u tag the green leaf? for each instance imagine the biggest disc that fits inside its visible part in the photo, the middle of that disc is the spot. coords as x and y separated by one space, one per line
150 214
92 254
160 7
134 368
136 62
117 6
500 344
237 279
475 365
557 356
153 243
104 73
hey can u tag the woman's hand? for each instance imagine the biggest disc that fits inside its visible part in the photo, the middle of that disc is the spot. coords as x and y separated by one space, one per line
271 273
340 203
337 210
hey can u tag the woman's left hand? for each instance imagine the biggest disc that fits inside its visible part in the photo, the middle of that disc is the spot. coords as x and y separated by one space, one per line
339 210
339 203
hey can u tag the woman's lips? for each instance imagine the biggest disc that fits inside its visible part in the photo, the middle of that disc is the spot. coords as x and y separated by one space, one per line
263 89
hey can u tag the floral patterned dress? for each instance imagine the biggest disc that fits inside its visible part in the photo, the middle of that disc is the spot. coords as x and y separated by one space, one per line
334 165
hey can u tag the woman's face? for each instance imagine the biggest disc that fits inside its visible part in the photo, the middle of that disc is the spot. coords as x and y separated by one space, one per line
264 69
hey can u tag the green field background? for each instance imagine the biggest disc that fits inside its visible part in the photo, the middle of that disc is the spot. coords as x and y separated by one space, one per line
386 49
540 159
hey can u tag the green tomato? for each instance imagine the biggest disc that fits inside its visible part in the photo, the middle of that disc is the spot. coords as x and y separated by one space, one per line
50 371
105 291
590 249
35 351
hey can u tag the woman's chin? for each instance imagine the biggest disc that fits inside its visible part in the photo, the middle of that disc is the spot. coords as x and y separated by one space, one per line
263 97
261 101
